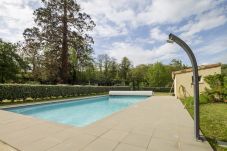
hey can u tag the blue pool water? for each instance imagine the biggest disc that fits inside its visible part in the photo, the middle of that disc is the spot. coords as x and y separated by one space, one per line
79 112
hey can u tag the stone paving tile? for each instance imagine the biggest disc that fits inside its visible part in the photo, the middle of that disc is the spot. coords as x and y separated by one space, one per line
124 127
107 122
5 147
126 147
101 145
195 147
65 147
186 136
9 119
158 144
21 140
143 131
115 135
170 134
42 145
146 126
15 126
74 143
95 130
24 141
44 128
137 140
66 134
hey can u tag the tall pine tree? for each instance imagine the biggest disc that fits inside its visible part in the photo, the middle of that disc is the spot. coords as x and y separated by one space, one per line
60 26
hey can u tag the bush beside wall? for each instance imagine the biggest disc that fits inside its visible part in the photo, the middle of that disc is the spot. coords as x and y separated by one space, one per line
21 91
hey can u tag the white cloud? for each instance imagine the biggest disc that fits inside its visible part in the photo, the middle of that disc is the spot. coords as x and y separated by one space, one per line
145 12
165 11
217 59
190 32
4 31
15 17
204 22
158 35
216 46
110 17
126 15
106 31
138 55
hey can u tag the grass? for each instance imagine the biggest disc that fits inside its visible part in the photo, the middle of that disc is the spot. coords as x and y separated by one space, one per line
213 121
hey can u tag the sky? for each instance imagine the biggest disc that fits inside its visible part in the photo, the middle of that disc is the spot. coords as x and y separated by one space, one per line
138 29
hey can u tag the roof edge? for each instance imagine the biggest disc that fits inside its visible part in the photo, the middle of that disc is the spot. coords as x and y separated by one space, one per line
202 67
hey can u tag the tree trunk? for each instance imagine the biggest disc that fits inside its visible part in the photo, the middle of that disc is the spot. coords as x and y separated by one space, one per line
34 68
64 57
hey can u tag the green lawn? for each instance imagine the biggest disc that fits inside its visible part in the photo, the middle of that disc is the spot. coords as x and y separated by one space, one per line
213 121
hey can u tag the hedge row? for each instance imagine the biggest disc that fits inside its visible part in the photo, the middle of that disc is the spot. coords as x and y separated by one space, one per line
157 89
21 91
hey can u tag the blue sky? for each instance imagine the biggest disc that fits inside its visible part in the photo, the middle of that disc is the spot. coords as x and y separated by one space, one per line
138 29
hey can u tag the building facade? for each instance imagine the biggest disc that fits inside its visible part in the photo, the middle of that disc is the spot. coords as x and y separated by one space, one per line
183 79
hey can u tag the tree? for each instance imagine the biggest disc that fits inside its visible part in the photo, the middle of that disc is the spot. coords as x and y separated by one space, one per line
106 63
61 26
100 66
90 73
108 69
114 71
138 75
177 65
11 64
32 51
125 67
157 75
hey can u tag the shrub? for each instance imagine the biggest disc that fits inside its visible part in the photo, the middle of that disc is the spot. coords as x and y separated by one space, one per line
203 99
218 87
189 101
23 91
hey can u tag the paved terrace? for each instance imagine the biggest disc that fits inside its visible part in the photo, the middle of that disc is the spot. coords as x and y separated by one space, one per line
159 124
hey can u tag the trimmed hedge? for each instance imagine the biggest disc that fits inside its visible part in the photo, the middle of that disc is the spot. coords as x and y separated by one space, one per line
157 89
22 91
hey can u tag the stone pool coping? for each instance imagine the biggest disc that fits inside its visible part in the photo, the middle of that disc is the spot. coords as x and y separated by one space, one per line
158 124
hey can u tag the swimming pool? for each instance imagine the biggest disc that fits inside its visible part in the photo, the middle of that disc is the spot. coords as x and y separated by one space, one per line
80 112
